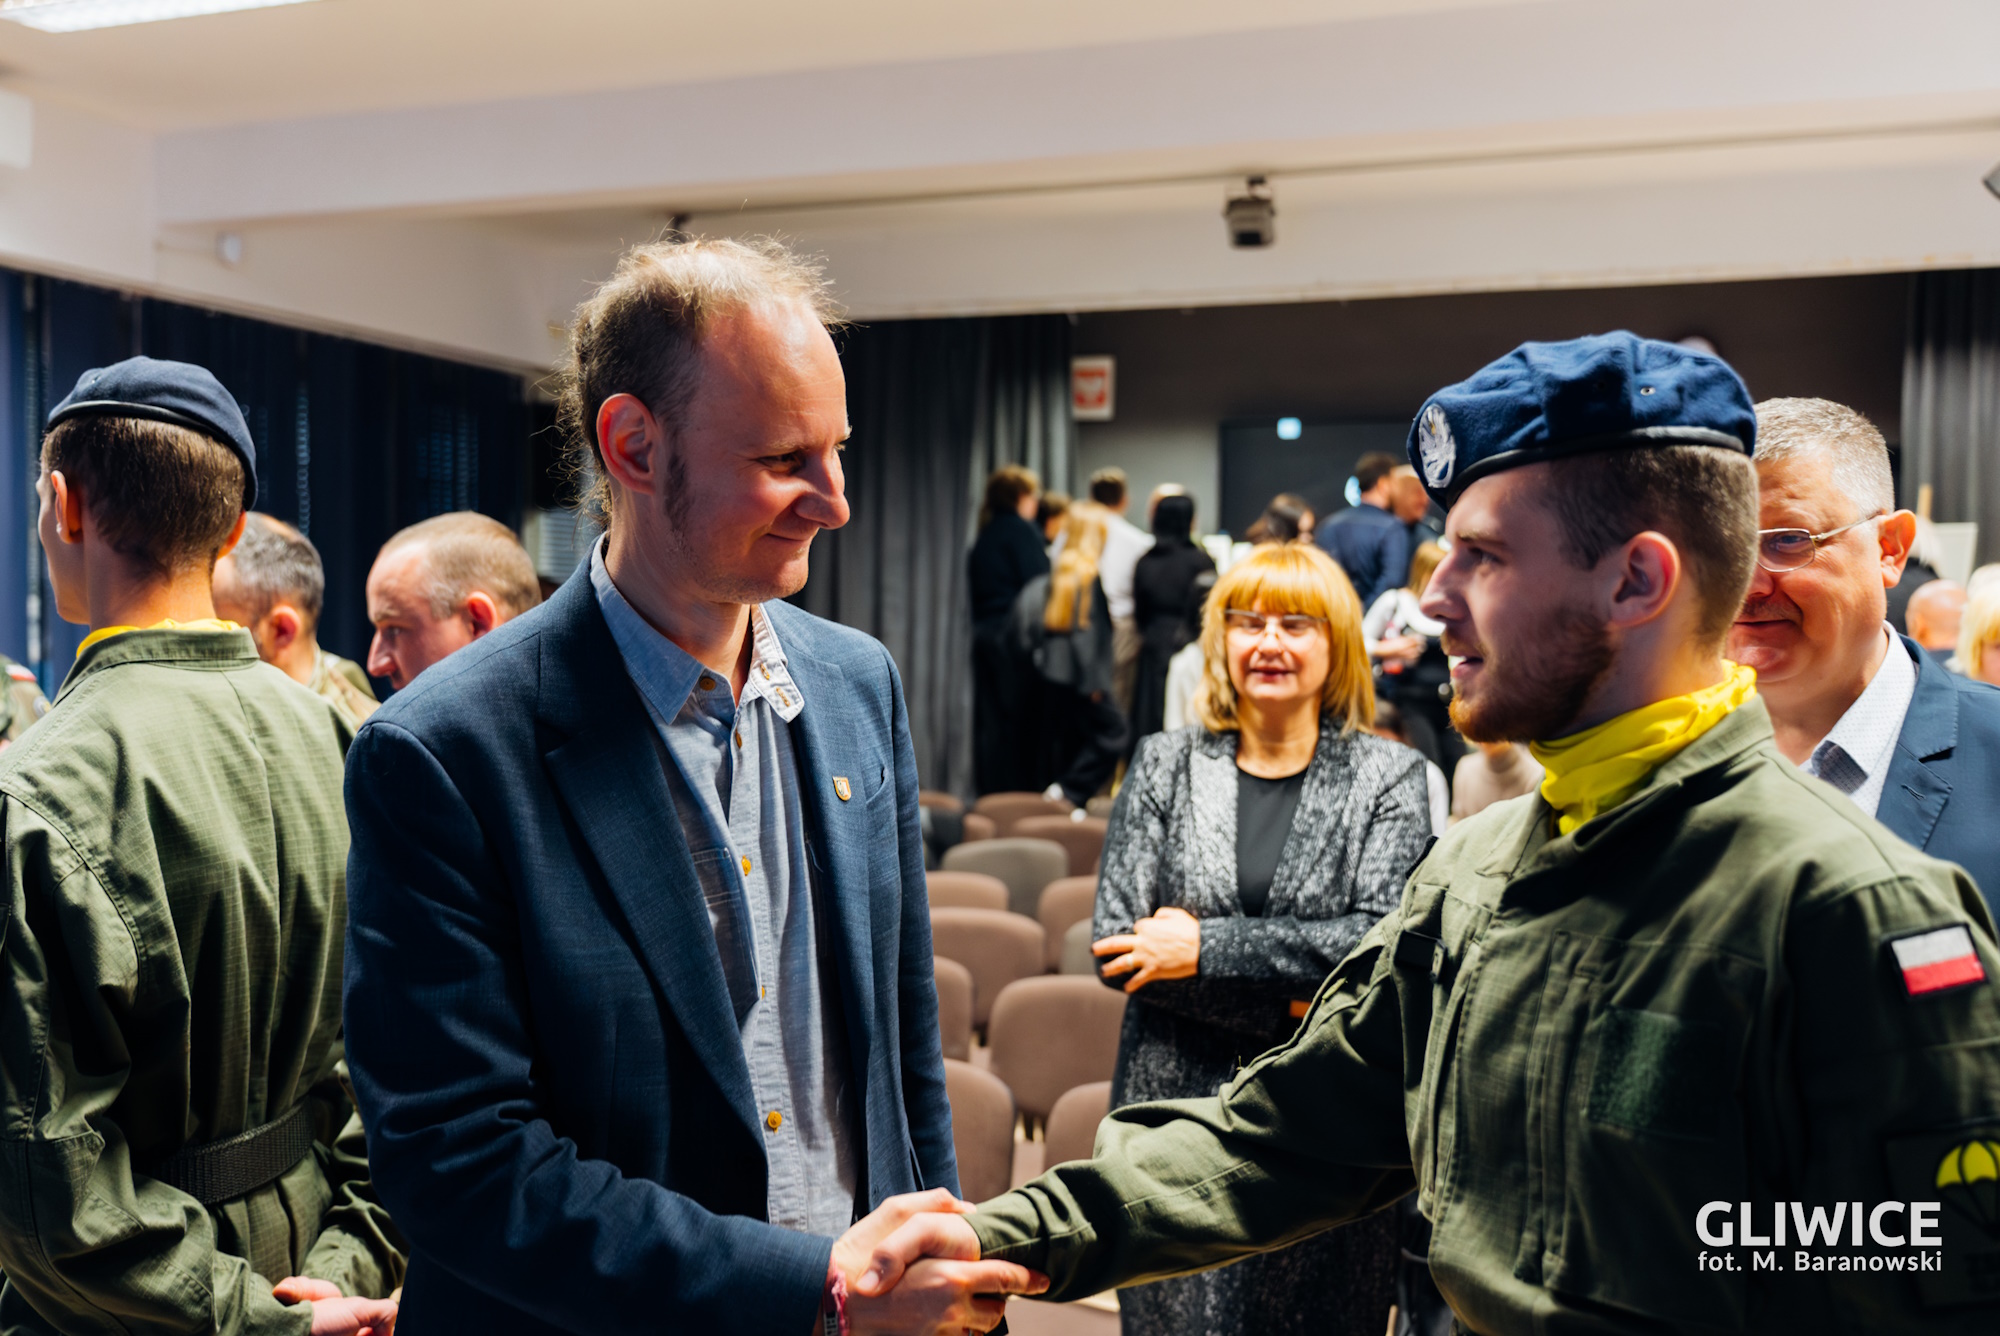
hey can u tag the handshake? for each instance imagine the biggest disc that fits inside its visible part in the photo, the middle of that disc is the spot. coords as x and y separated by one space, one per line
912 1268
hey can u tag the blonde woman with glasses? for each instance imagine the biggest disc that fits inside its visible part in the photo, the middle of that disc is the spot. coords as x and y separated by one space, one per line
1246 857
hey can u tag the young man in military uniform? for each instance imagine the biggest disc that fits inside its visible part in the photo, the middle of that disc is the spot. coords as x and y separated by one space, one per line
1629 1037
273 584
171 917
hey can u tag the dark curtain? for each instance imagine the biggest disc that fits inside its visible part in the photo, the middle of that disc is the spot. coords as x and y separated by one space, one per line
935 406
354 440
1951 399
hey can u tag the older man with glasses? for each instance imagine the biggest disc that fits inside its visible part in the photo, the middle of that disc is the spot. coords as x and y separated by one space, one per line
1851 701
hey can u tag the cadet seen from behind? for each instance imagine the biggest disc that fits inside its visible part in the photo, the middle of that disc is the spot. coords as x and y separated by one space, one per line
171 917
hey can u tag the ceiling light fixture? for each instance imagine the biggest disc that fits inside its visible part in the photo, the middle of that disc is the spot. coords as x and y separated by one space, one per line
80 15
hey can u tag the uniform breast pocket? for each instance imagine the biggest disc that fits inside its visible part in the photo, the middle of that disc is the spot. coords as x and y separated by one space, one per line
1653 1128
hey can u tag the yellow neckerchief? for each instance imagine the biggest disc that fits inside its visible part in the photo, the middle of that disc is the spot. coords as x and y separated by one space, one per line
199 624
1599 768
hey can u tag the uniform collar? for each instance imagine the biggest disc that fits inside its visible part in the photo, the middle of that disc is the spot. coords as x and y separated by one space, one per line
1529 848
186 646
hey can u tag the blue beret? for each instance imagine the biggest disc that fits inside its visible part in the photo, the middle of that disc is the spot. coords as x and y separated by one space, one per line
178 392
1547 400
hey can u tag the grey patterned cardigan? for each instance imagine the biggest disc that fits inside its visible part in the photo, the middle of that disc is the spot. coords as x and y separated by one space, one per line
1362 821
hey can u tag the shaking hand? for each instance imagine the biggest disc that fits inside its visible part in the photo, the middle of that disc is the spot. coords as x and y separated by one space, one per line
912 1269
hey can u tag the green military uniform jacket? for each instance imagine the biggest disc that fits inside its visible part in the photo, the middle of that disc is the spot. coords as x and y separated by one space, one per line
1570 1046
171 920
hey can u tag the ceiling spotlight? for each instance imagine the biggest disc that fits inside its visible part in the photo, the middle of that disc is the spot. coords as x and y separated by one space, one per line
80 15
1251 214
1993 179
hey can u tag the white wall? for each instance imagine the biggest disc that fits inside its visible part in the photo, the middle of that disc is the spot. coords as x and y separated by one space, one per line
1515 146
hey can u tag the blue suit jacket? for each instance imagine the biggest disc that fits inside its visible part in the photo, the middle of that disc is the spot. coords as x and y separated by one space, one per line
1942 793
1372 547
559 1113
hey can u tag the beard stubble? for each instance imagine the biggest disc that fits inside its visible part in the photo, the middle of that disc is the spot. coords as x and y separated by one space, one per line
1533 693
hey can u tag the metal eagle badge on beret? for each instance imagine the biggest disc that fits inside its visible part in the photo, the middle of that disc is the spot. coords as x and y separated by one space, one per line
1435 449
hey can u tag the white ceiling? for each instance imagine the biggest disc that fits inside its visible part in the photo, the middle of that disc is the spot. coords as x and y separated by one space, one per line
454 174
371 55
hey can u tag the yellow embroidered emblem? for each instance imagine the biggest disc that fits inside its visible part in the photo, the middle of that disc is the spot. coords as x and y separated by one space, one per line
1968 1177
840 786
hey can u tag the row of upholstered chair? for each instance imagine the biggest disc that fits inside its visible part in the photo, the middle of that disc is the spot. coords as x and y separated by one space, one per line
996 829
1048 1037
971 924
1005 905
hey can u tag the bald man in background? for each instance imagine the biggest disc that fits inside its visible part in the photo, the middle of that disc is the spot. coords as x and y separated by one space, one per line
439 585
1933 616
273 585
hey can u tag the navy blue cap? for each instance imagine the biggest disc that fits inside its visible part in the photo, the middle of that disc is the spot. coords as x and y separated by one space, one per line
178 392
1547 400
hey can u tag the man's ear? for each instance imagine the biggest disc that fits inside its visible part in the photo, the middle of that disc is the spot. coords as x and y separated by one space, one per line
235 536
631 441
1647 572
286 625
482 612
1899 533
68 508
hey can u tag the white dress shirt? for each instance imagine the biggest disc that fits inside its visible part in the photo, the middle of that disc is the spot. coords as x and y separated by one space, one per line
1124 544
1854 757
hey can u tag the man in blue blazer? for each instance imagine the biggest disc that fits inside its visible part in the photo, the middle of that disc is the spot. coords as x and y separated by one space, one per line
1851 701
639 1001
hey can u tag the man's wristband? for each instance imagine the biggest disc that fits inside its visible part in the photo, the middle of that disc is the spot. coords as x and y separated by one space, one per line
833 1307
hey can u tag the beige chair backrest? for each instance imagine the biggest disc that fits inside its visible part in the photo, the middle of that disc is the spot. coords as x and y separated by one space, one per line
982 1130
1007 808
1082 840
965 890
1025 865
1063 903
979 827
954 997
937 798
1076 954
1073 1123
1051 1034
998 947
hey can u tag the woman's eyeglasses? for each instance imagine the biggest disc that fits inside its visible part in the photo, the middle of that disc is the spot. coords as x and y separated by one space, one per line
1795 549
1291 625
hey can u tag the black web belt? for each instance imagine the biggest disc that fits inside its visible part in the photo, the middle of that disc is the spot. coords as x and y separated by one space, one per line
219 1171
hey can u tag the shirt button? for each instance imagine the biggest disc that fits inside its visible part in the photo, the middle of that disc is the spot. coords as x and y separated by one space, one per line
774 1120
707 683
746 867
739 737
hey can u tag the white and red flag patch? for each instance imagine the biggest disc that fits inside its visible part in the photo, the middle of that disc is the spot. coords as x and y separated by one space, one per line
1937 960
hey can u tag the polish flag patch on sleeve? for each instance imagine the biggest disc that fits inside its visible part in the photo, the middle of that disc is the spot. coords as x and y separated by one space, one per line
1938 960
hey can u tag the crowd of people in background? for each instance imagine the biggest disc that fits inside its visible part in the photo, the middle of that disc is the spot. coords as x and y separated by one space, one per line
1062 702
1086 628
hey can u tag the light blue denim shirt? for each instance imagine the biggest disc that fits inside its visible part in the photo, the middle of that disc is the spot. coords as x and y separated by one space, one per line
735 783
